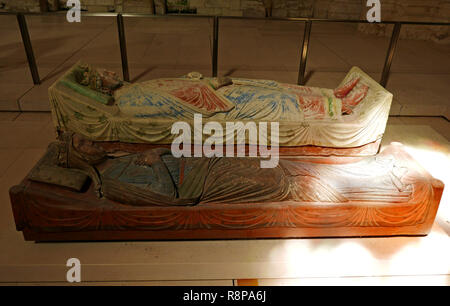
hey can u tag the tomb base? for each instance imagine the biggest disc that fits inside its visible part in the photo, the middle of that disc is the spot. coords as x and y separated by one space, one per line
45 212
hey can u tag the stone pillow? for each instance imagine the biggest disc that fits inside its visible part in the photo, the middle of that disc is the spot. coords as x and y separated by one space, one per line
353 98
342 91
70 82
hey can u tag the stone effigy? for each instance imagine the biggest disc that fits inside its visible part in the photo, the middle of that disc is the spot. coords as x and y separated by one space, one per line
155 177
111 175
151 195
349 120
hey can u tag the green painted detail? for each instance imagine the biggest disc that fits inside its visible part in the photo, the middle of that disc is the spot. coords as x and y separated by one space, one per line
102 119
140 132
78 116
90 108
65 119
86 91
330 107
330 104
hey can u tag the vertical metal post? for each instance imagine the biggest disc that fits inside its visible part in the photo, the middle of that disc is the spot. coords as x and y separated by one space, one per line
153 6
390 54
215 45
28 48
165 8
304 54
123 47
43 5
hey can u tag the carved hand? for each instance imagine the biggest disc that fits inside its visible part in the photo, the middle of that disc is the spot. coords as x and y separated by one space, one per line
150 157
147 158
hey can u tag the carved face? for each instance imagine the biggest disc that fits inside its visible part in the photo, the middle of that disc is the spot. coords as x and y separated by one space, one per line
109 79
97 79
88 148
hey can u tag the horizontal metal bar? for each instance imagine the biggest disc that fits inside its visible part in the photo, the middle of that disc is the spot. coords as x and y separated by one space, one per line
87 14
335 20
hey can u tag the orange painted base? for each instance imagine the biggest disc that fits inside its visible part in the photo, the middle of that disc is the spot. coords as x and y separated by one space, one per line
369 149
48 213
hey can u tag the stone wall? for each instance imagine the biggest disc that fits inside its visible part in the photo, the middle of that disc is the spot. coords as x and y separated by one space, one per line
220 7
418 10
402 10
95 5
279 8
20 5
413 10
131 6
409 10
338 9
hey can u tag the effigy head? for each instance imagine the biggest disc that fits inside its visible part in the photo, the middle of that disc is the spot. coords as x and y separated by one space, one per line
74 147
87 149
100 80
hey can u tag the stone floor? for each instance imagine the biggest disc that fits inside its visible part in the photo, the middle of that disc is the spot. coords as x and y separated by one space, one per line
387 261
257 49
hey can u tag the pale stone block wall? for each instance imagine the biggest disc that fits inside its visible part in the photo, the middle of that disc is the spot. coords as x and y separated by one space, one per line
136 6
280 8
20 5
217 7
409 10
413 10
96 5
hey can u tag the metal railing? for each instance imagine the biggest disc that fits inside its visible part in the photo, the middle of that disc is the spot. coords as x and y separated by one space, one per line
215 32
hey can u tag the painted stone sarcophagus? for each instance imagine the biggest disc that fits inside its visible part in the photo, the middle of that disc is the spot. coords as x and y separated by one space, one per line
111 175
153 195
349 120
